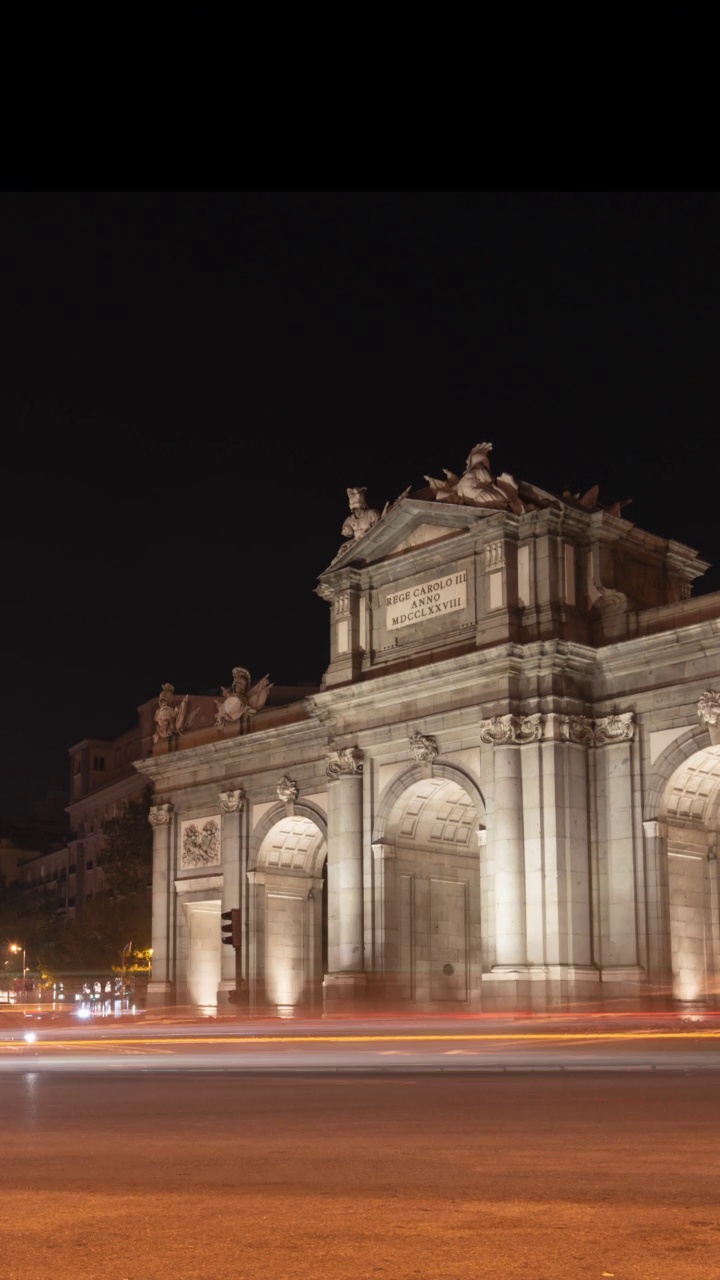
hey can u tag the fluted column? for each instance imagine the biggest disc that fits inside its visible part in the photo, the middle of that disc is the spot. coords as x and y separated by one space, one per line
160 984
345 876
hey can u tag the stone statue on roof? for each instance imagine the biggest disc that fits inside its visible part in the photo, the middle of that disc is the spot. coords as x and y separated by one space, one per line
477 487
241 698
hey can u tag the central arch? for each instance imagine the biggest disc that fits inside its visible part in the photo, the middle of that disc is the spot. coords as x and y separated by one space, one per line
428 888
288 926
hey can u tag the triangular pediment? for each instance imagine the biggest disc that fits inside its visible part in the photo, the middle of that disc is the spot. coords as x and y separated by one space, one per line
411 523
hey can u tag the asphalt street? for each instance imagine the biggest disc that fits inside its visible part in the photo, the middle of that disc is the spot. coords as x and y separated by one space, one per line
111 1175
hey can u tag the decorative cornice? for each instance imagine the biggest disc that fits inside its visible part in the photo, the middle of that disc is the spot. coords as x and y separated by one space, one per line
287 790
504 730
160 815
618 727
232 801
344 763
192 884
424 747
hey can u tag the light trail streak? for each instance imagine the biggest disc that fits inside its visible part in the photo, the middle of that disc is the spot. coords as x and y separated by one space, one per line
137 1043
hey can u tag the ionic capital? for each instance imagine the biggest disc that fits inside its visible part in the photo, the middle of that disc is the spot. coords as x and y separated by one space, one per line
344 763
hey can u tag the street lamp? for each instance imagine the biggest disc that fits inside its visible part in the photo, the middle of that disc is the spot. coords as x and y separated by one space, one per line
16 948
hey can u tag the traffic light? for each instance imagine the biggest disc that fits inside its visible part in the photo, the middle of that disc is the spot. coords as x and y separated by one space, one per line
231 928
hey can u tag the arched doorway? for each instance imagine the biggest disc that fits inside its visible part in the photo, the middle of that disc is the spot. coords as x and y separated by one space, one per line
288 925
691 811
429 891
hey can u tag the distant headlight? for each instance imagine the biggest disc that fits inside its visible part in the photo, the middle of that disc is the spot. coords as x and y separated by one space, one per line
30 1036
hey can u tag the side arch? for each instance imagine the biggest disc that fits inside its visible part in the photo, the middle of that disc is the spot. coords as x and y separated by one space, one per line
278 814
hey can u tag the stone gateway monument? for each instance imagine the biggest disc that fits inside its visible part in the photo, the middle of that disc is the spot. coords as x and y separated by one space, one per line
506 793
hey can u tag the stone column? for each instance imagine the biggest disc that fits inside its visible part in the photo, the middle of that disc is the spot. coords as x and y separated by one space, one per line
613 734
387 923
159 991
256 904
507 734
713 917
231 807
345 982
658 911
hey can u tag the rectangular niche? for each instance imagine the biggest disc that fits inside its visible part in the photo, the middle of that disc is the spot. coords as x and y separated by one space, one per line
200 843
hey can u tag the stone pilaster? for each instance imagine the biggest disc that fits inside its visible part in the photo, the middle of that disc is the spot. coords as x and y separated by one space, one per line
159 990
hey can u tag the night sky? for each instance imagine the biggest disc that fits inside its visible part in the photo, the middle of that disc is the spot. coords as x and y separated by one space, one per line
190 381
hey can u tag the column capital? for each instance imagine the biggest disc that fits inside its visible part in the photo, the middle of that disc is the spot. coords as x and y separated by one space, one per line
586 732
232 801
512 730
344 763
160 815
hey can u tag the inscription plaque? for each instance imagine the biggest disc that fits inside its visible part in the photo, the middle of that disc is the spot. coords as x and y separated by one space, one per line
444 594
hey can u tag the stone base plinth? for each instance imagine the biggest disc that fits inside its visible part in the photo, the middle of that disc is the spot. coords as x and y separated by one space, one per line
344 992
159 994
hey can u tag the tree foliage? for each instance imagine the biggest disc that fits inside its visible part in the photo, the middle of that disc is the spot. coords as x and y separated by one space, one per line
93 943
127 847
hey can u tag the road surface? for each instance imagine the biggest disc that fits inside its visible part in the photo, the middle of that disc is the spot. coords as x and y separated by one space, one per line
190 1174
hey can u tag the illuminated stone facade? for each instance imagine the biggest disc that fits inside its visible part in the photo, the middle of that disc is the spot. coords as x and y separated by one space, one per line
502 796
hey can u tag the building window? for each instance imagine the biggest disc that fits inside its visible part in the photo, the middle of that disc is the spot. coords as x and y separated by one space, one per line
98 763
71 869
71 902
89 865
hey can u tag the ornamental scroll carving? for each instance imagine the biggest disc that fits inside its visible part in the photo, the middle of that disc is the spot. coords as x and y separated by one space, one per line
160 815
577 729
618 727
344 763
424 747
231 801
287 790
615 728
505 730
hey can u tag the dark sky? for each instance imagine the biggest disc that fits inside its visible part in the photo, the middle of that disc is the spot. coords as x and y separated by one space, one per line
190 381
